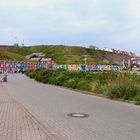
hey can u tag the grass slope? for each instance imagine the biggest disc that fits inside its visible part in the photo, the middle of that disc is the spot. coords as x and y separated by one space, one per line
14 56
7 55
66 54
74 54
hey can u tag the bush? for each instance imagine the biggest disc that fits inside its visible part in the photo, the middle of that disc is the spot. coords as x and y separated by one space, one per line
71 83
94 86
136 99
122 87
83 85
104 90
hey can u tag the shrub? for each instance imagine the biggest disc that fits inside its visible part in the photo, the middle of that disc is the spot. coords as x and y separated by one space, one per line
71 83
83 85
94 86
122 87
104 90
136 99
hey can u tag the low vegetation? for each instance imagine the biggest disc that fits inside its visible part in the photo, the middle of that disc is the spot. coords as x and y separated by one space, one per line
64 54
6 54
123 86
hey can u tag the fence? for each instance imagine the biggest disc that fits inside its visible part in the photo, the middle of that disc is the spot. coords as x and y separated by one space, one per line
14 66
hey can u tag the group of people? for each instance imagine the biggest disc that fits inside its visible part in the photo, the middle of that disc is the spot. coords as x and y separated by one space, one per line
3 76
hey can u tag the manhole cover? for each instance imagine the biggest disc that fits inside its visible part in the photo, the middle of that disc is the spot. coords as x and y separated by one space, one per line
78 115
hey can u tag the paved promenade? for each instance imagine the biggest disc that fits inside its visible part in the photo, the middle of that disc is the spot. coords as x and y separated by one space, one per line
108 120
16 123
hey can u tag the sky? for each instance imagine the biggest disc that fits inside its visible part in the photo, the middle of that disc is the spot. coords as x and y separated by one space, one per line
103 23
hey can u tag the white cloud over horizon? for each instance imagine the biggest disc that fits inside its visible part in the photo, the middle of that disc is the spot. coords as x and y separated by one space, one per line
110 23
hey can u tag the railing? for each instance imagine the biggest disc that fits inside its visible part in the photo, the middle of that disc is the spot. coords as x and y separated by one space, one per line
14 66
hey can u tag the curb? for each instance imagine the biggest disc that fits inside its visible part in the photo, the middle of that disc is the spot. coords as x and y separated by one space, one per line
89 93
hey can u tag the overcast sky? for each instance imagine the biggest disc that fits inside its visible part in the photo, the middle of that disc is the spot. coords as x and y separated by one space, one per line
104 23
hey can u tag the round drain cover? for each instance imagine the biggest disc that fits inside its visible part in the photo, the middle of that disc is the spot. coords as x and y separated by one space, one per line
78 115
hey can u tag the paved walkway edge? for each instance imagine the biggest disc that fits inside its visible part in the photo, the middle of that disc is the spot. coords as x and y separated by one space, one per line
36 118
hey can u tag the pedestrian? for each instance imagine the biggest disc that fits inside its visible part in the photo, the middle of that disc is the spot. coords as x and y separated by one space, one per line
0 75
4 76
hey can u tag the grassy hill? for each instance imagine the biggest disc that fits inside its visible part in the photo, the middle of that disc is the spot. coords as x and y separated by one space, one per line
62 54
5 54
74 54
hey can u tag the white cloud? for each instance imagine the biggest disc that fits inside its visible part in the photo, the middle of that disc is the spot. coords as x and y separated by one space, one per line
26 3
88 24
36 3
109 21
134 8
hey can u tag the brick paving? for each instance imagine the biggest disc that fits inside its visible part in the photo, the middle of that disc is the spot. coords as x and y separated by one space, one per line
108 120
18 124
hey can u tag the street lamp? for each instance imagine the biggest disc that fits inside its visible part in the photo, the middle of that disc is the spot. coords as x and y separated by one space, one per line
85 59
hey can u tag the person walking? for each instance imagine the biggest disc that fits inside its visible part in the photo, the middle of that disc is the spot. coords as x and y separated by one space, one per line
5 76
0 75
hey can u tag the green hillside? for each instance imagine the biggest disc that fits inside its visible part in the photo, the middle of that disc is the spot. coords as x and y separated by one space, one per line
63 54
5 54
74 54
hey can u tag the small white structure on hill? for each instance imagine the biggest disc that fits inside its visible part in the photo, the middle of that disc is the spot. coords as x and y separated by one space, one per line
36 55
106 49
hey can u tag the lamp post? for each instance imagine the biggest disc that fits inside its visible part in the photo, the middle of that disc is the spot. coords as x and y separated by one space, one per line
85 59
22 43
